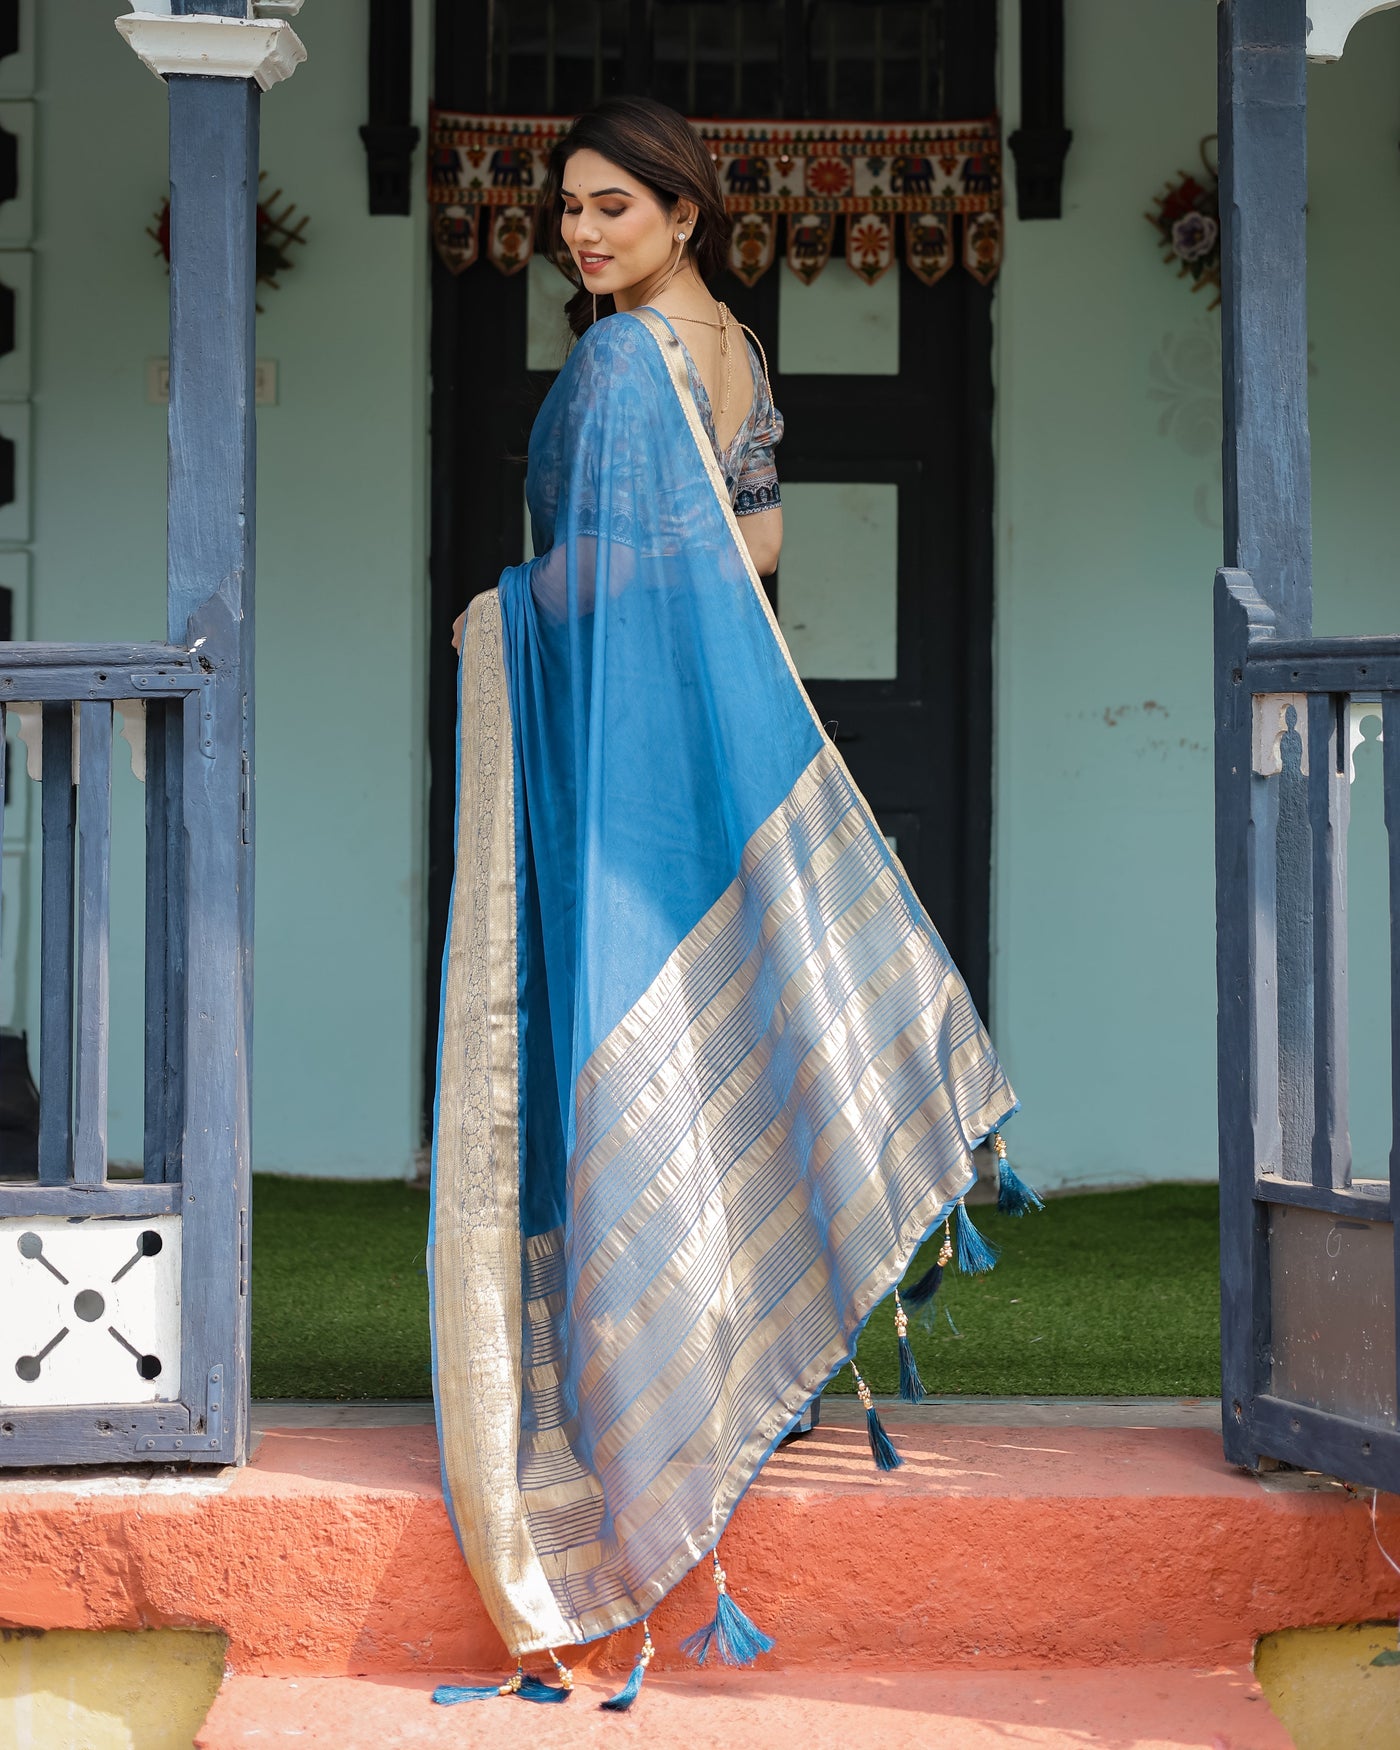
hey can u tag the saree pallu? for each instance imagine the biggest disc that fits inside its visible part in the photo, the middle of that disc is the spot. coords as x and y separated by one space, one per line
707 1075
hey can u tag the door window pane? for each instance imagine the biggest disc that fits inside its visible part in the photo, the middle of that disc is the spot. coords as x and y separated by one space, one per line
721 58
718 60
839 325
838 580
561 57
874 62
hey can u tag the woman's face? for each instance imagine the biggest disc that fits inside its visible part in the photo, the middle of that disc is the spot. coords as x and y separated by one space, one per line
615 228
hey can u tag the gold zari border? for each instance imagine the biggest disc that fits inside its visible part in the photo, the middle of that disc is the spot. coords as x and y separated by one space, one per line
476 1263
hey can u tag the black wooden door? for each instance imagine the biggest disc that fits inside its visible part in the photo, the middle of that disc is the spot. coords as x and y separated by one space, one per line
905 448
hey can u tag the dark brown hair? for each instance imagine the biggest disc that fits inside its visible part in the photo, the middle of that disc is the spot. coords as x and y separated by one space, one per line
661 149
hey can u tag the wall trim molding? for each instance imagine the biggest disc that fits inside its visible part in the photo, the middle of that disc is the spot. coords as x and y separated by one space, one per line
267 50
1040 143
1330 23
389 135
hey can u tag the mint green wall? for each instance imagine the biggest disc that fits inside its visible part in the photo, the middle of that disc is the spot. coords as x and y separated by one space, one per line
341 521
1108 534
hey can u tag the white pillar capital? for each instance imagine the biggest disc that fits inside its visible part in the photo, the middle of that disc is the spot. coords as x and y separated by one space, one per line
1330 23
264 48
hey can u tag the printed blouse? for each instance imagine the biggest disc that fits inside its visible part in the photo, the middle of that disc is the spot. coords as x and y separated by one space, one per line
747 463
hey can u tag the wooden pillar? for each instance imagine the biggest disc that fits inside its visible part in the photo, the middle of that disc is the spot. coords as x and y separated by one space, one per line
212 459
1263 203
216 59
1264 590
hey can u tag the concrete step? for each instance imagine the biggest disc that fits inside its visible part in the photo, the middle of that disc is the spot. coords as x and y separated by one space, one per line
995 1547
1160 1707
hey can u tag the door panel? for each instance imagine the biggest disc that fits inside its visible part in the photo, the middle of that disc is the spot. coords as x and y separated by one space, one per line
838 599
838 326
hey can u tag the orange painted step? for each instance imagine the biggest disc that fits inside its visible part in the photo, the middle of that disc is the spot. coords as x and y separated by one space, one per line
1036 1547
1159 1707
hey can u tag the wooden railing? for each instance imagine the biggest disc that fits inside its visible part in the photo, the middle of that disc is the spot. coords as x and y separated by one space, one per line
71 690
131 1340
1311 1298
163 1375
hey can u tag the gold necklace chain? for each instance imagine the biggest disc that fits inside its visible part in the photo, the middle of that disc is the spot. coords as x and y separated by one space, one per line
724 342
723 326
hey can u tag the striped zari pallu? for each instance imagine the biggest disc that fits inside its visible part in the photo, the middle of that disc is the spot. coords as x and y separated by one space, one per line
759 1145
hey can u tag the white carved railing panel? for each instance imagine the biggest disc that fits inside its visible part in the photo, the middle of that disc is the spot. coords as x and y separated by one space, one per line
90 1310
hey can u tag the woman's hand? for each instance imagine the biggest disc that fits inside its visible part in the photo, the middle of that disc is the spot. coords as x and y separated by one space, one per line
457 625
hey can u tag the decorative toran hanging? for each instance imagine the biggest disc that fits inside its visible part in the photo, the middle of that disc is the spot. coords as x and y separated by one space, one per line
483 170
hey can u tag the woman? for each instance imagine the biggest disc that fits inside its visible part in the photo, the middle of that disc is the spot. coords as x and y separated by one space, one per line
707 1076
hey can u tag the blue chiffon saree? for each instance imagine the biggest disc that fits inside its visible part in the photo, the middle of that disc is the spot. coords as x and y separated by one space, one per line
707 1075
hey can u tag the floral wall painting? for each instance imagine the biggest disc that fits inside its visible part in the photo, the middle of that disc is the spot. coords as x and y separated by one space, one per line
1185 383
1187 222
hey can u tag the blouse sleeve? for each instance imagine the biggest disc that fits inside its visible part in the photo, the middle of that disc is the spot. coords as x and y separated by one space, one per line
757 487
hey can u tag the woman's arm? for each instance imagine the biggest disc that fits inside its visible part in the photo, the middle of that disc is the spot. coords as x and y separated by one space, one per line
549 581
763 535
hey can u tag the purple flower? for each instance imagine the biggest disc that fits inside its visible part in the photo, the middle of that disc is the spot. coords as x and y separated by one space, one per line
1194 235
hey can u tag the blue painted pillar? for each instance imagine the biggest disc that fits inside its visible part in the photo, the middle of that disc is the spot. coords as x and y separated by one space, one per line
1263 207
211 523
1263 984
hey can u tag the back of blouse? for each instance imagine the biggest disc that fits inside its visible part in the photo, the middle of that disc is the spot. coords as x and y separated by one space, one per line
747 464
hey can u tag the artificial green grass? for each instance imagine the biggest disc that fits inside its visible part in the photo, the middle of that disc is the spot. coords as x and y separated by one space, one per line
340 1289
1107 1294
1110 1294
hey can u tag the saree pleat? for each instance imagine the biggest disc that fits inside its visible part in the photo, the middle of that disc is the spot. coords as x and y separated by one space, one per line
672 1177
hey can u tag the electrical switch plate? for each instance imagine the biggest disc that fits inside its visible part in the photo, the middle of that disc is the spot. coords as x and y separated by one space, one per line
264 382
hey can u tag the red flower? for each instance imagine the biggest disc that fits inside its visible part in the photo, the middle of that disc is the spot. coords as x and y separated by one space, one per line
871 241
1187 196
827 175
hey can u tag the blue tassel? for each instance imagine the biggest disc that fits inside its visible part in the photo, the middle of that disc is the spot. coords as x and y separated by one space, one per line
911 1387
534 1688
881 1446
524 1684
447 1693
925 1288
619 1703
729 1633
929 1283
975 1255
1014 1195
